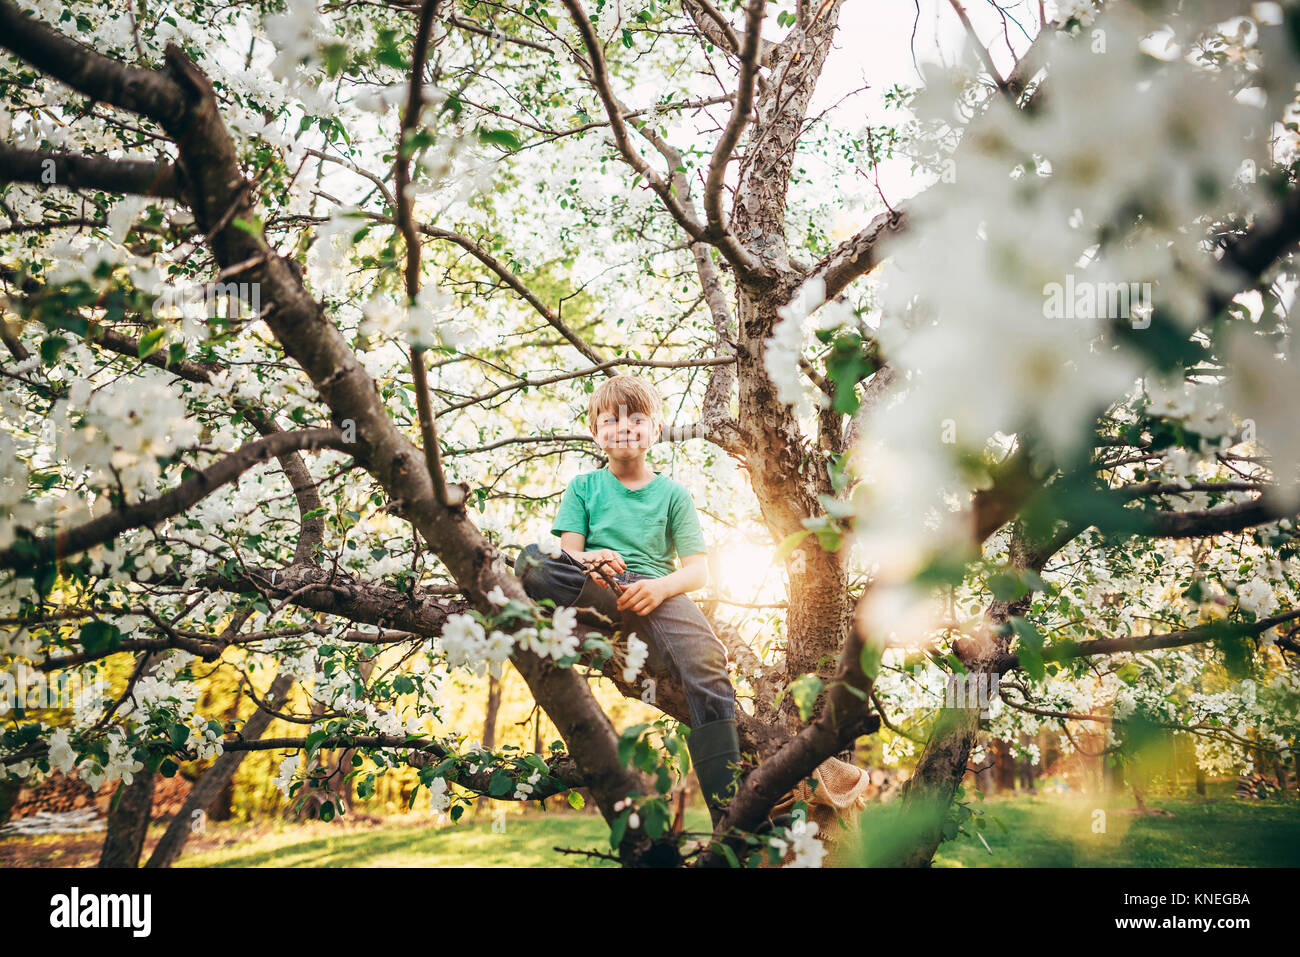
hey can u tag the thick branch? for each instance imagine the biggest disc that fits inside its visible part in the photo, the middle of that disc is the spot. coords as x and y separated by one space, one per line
74 171
743 261
80 67
1213 521
1136 643
740 117
152 511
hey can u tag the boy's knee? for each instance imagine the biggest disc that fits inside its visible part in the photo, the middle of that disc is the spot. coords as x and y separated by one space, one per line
527 560
709 662
530 568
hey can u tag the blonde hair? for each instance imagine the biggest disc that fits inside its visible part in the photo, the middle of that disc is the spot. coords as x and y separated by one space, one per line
624 391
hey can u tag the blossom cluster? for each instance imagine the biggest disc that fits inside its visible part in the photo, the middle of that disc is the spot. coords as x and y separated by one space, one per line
800 838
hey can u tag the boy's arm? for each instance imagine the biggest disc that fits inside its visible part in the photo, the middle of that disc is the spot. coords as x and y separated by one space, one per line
646 595
572 542
692 549
571 522
693 574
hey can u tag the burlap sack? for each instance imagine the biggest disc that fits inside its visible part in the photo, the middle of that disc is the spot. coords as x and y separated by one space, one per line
840 794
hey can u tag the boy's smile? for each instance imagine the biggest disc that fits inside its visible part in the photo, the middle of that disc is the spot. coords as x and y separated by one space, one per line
626 437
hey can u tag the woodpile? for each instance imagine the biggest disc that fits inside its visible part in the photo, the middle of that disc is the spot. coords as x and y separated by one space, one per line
61 793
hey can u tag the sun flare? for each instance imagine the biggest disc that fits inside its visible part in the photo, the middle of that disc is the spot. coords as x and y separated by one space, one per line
749 573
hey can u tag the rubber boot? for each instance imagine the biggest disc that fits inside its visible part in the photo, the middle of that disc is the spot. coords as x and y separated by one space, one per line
714 746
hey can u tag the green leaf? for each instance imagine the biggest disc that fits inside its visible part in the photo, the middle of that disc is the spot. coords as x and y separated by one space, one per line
506 139
804 690
168 768
619 828
627 742
327 811
1031 647
99 636
314 740
500 784
655 821
870 659
790 542
51 348
677 747
149 342
387 53
1007 586
575 801
336 55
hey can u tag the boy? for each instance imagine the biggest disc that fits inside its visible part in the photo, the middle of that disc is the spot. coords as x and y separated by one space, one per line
633 519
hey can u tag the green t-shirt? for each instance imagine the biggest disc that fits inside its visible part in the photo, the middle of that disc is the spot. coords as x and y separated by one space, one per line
643 525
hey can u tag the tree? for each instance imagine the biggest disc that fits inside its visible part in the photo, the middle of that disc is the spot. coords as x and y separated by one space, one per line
963 433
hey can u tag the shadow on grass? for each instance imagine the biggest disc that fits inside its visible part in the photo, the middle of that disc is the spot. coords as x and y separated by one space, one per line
1102 831
521 841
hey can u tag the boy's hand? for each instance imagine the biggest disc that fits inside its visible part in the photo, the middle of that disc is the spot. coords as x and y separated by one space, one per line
614 563
644 596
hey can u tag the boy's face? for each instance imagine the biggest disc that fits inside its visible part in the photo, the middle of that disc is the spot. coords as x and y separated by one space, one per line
625 434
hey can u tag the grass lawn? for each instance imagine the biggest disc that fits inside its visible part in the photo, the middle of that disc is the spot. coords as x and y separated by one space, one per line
1054 830
1045 830
524 840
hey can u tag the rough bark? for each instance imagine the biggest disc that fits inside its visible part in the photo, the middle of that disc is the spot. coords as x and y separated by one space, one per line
214 781
490 717
928 794
128 821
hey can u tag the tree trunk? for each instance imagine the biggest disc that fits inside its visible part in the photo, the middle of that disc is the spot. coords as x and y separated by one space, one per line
216 781
929 792
1026 766
493 707
1137 796
128 821
490 732
9 791
132 804
1006 766
337 764
223 807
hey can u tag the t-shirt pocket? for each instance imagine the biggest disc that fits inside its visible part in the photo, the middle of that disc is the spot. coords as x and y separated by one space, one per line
657 537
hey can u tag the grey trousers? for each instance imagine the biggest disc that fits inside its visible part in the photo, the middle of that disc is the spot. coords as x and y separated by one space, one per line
677 634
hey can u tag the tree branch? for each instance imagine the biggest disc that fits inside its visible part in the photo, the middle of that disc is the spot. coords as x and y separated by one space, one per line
152 511
74 171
